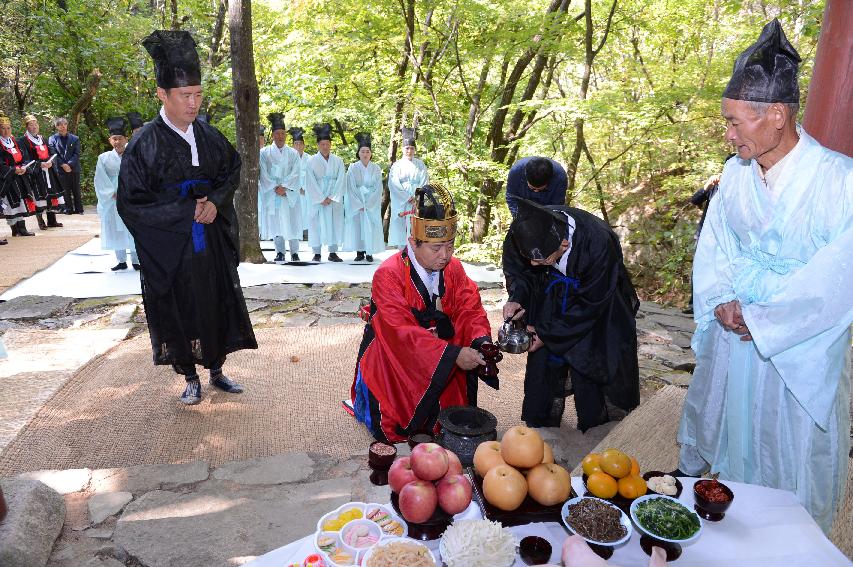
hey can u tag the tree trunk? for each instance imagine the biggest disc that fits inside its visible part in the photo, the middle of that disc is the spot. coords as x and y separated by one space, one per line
84 100
216 55
246 114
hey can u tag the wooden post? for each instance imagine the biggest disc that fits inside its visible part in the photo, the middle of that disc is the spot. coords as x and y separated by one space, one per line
830 100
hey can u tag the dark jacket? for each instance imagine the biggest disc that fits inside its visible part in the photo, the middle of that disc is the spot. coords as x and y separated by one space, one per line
67 150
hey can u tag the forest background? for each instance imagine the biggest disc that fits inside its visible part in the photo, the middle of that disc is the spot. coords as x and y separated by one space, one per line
624 93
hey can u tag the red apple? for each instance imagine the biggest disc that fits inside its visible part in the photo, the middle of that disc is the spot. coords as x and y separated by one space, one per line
454 493
400 474
418 500
454 465
429 461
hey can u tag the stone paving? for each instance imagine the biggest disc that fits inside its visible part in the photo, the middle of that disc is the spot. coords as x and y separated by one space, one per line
192 514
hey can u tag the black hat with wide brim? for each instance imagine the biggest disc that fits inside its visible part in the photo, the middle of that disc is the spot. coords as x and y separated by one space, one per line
297 134
175 58
363 140
538 231
767 70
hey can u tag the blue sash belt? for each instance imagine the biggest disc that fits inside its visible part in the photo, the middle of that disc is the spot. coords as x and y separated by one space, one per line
568 283
185 189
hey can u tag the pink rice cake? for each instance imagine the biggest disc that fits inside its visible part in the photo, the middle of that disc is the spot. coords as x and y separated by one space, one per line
359 537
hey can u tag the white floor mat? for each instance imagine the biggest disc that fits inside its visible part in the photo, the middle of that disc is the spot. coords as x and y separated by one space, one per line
85 272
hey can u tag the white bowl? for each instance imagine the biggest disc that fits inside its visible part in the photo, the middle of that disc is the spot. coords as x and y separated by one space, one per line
385 542
372 529
445 556
338 511
640 527
623 519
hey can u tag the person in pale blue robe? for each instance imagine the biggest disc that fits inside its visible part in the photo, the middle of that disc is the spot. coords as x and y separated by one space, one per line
406 174
279 199
325 185
363 204
298 144
114 234
769 402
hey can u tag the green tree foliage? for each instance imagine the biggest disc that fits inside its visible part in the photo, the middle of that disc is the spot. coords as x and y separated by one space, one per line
485 81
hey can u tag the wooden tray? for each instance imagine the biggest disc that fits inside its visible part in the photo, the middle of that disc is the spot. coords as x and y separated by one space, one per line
529 511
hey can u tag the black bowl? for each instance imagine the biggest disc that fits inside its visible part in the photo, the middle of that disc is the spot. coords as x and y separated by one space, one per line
381 462
535 550
678 486
712 511
419 438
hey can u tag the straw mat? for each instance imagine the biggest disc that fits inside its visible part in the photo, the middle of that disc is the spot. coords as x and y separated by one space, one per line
120 410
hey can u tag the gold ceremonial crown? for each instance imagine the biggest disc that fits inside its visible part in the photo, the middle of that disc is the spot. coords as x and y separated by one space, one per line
434 218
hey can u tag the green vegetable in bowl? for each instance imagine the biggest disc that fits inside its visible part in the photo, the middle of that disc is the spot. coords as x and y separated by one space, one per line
667 519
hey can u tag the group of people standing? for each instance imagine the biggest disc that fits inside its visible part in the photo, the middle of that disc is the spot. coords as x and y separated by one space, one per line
39 177
339 208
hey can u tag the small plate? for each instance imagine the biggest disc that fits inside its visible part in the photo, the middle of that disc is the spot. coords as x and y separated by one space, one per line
385 542
623 519
653 535
678 486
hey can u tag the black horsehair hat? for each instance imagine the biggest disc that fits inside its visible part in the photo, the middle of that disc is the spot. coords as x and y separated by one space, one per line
296 134
276 121
135 120
409 136
538 231
117 126
323 131
175 58
767 70
363 139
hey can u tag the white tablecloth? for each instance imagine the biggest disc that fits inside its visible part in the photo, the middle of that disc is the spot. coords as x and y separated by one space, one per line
763 527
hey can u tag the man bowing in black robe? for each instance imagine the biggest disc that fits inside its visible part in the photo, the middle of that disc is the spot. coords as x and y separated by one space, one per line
176 184
566 278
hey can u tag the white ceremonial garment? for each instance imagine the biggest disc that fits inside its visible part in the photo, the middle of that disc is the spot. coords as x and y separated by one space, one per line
114 234
404 178
279 215
775 411
303 167
363 209
325 179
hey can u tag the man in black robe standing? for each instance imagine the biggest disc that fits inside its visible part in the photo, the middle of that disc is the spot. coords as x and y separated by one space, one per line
567 279
177 180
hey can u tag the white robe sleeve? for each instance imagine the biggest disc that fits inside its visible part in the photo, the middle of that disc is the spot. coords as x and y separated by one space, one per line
105 189
313 184
338 191
399 192
373 199
354 200
712 263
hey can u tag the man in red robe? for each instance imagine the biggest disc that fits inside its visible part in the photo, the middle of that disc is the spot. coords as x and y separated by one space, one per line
425 327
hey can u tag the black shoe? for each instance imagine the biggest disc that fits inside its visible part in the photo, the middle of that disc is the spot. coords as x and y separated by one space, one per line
280 258
3 241
294 257
119 266
136 267
14 228
225 384
368 258
69 212
359 257
317 258
22 229
192 393
41 223
334 257
51 221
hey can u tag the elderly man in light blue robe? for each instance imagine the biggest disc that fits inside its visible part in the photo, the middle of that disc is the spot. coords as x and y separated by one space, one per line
114 234
769 402
279 198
